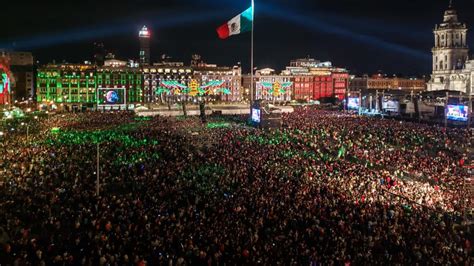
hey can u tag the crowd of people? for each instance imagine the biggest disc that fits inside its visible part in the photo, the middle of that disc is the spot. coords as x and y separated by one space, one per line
326 188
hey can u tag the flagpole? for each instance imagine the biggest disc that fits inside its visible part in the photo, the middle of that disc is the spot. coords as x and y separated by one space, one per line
251 61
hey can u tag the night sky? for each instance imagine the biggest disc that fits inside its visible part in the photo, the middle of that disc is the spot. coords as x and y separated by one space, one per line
361 35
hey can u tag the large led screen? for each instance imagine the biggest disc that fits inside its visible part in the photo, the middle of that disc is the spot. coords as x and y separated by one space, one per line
392 106
353 103
256 118
111 96
457 112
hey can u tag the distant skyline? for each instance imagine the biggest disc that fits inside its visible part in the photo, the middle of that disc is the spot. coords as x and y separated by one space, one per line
363 36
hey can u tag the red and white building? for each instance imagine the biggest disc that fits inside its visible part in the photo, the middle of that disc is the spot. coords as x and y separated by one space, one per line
314 80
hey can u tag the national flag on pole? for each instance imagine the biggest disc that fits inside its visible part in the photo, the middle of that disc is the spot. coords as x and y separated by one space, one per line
239 24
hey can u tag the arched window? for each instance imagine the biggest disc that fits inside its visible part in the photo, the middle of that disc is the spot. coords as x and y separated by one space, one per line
441 65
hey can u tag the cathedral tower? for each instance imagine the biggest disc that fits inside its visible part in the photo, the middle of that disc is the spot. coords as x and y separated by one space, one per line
450 54
450 50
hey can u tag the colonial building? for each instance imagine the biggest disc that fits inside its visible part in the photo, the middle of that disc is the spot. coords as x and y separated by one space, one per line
70 85
383 82
154 76
272 87
315 80
229 77
452 69
117 74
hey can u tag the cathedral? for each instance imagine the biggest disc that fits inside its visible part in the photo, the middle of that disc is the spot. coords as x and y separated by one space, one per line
452 69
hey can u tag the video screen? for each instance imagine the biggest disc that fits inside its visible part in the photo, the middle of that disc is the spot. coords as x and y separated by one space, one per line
457 112
111 96
256 115
353 103
391 106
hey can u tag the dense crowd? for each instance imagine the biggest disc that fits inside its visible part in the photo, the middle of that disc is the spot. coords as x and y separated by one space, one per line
327 188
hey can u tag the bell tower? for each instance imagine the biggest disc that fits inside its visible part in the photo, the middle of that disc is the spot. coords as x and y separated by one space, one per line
450 51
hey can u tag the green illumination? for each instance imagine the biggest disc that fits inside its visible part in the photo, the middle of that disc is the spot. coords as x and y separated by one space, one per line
218 125
142 118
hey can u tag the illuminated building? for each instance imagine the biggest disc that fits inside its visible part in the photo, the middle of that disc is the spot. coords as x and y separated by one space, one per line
5 82
231 76
72 85
314 80
383 82
154 75
395 83
117 74
75 86
272 87
21 67
452 69
144 36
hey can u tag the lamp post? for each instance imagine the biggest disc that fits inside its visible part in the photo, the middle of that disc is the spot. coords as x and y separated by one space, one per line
469 112
446 111
98 172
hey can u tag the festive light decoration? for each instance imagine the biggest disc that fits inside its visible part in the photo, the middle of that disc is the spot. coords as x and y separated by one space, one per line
5 85
213 125
193 89
276 88
5 82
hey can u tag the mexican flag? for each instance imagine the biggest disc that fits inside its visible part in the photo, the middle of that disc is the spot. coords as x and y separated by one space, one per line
239 24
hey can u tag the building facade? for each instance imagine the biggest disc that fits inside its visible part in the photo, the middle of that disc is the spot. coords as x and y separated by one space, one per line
69 85
382 82
271 87
154 76
22 69
315 80
452 69
117 74
230 79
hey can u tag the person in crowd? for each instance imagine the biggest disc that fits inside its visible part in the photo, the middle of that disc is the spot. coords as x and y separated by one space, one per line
327 188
